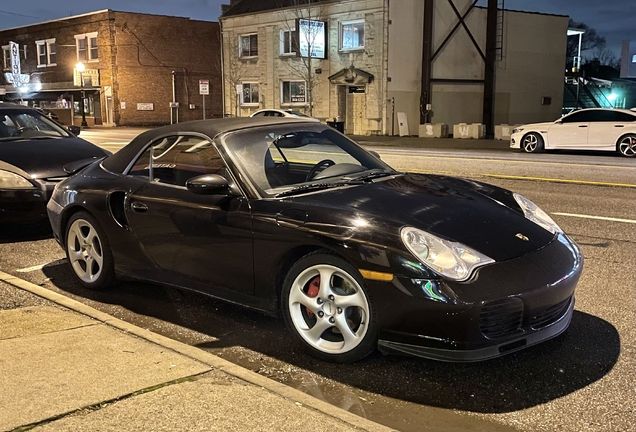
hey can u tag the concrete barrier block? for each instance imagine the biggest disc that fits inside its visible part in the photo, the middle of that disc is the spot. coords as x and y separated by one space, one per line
503 131
469 131
437 130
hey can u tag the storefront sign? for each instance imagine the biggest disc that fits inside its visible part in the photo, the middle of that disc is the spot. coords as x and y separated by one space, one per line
145 106
16 77
90 77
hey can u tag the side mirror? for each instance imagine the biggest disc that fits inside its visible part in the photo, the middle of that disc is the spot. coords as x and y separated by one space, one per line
375 153
558 122
208 184
75 130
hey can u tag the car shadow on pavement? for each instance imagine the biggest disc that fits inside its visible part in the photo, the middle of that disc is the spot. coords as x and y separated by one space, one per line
13 233
585 353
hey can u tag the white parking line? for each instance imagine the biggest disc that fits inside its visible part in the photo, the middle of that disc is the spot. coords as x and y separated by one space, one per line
41 266
596 217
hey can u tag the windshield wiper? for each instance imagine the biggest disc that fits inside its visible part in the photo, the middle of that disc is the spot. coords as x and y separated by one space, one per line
314 187
373 174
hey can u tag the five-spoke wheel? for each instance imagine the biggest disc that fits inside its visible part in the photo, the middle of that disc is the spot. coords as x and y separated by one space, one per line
88 252
326 306
627 145
532 143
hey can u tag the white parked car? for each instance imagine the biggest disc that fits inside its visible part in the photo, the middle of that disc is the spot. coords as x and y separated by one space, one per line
275 112
587 129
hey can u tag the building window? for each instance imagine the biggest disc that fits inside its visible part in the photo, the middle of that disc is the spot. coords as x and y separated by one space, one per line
293 92
86 46
248 45
288 42
46 52
352 35
6 57
250 94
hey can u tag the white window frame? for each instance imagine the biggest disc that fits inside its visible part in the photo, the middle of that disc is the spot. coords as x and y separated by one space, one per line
46 43
86 37
290 103
251 103
6 57
341 35
292 36
240 47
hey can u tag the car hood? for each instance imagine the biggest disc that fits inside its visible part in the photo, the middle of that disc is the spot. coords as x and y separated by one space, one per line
483 217
44 158
536 126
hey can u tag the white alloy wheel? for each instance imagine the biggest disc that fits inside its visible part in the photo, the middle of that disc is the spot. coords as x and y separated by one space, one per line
88 252
627 146
329 310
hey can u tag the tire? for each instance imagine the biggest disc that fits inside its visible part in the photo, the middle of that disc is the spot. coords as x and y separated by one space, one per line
532 143
627 145
334 320
88 252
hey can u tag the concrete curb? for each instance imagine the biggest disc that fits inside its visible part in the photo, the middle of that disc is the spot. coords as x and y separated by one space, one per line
199 355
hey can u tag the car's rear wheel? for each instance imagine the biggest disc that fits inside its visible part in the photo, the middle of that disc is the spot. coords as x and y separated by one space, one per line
627 145
326 306
88 252
532 143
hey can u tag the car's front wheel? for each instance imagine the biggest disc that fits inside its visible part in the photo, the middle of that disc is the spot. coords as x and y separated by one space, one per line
532 143
627 145
88 252
327 308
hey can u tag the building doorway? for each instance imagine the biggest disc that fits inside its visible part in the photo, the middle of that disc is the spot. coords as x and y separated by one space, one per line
356 110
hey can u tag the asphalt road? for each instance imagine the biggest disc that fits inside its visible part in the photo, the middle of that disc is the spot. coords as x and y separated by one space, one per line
584 380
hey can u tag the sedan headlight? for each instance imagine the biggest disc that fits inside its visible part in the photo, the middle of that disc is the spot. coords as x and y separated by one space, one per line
515 130
450 259
9 180
536 215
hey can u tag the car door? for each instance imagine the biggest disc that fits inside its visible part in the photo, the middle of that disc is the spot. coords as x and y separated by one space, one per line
570 132
205 239
607 128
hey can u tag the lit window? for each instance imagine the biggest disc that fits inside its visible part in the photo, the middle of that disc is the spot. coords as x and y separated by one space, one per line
287 42
46 52
250 94
248 45
86 46
293 92
352 35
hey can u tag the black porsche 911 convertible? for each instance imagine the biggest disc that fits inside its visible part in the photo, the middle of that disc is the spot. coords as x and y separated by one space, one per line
291 217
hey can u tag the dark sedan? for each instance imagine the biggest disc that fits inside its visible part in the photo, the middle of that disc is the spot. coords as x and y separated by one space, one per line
291 217
33 153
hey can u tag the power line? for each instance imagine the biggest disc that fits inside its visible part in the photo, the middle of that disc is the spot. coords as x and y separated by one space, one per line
17 14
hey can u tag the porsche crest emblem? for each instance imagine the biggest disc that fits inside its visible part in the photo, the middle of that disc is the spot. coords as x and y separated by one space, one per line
522 237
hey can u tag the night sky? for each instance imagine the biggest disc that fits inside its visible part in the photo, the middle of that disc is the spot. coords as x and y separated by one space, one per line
613 19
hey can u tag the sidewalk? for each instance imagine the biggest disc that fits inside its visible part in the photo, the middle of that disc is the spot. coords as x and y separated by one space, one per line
65 366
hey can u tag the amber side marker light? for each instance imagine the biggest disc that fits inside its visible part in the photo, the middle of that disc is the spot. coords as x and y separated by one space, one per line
373 275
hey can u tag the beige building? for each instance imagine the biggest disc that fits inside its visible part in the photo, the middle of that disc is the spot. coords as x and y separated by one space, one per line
366 64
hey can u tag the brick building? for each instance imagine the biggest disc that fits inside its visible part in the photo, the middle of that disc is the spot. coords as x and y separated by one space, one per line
135 67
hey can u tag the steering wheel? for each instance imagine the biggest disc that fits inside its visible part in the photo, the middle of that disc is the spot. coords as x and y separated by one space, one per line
325 163
21 129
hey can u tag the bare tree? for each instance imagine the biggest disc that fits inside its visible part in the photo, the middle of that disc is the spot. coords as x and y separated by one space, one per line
589 40
234 69
303 24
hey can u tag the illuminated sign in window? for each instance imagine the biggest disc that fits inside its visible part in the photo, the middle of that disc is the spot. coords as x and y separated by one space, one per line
312 36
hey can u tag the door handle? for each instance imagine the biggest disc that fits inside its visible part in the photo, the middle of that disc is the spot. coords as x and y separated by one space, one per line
618 125
139 207
582 125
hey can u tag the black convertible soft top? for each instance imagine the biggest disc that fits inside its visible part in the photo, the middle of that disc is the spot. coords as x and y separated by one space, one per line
118 162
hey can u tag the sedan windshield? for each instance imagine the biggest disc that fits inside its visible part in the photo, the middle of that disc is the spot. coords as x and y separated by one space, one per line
26 124
283 159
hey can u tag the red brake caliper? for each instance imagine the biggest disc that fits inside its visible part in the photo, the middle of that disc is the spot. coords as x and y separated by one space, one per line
312 291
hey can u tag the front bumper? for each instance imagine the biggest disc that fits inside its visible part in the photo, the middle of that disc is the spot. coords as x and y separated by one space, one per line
506 307
515 140
23 205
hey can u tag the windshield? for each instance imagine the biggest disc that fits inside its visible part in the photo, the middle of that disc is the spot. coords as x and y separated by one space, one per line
280 158
25 124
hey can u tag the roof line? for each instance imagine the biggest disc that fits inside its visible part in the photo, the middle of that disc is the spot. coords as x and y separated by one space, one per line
56 20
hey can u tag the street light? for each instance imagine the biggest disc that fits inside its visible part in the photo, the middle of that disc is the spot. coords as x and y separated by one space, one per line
80 68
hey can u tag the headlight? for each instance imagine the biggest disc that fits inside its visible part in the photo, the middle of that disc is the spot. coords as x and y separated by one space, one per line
452 260
515 130
9 180
536 215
